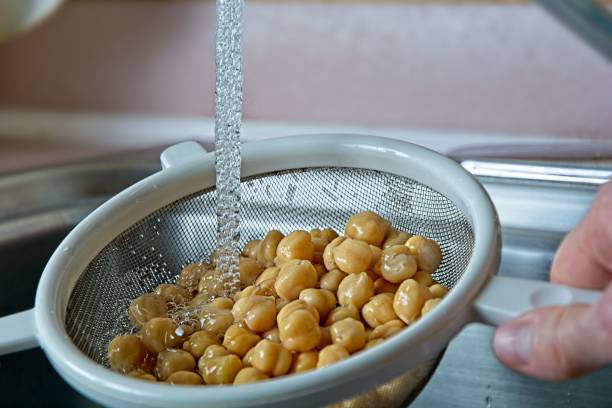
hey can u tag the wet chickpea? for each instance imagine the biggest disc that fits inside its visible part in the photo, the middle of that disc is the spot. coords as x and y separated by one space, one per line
146 307
423 278
409 300
395 237
271 358
200 299
437 291
321 299
246 360
315 233
258 313
367 226
280 303
215 350
213 258
372 275
268 274
173 294
214 319
295 276
349 333
190 276
249 375
397 264
142 375
329 234
211 284
325 337
376 253
328 253
239 340
373 343
356 289
249 269
126 353
172 360
384 331
296 245
342 312
429 306
319 245
199 341
272 335
426 251
220 369
266 252
222 303
381 285
379 310
250 249
320 270
305 361
331 354
331 280
185 378
159 334
352 256
298 326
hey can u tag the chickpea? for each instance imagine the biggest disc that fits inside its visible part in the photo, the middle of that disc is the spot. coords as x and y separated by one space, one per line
222 303
373 343
298 326
268 274
342 312
142 375
331 354
379 310
423 278
349 333
199 341
426 251
376 253
249 375
438 291
315 233
272 335
409 300
295 276
367 226
372 275
352 256
213 258
173 294
321 299
396 264
328 255
356 289
250 249
191 274
326 339
146 307
305 361
185 378
319 245
266 252
381 285
384 331
126 353
258 313
171 361
320 270
215 350
395 237
220 369
200 299
329 234
239 340
331 280
159 333
249 270
211 284
215 320
297 245
429 305
246 360
280 303
271 358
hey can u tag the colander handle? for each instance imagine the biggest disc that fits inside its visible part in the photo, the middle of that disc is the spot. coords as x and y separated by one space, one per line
505 298
17 332
181 153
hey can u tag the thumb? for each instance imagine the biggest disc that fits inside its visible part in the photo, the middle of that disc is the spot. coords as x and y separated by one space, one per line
558 343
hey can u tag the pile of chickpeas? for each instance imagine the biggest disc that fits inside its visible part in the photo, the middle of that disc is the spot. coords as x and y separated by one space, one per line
309 299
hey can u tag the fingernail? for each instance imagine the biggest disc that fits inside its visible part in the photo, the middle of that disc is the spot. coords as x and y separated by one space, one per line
512 343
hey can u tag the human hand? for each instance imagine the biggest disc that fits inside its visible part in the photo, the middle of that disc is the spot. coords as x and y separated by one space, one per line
557 343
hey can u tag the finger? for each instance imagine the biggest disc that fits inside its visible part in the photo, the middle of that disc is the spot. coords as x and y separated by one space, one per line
584 258
558 342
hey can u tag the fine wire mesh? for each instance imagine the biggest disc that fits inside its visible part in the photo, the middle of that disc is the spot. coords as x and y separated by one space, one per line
154 250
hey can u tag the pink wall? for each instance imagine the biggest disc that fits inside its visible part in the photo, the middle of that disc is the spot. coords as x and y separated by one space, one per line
470 67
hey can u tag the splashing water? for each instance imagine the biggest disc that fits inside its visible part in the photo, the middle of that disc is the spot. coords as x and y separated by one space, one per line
228 115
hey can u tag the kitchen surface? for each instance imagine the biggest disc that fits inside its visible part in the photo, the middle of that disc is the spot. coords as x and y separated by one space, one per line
92 95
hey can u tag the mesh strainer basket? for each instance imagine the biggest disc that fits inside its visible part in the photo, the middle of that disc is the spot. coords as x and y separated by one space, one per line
143 236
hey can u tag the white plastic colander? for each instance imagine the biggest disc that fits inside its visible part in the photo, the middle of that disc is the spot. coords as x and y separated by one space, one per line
145 234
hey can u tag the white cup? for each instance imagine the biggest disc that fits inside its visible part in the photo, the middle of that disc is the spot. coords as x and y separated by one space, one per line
17 16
